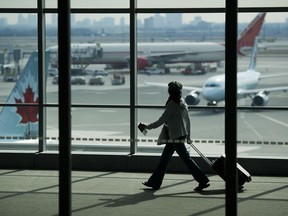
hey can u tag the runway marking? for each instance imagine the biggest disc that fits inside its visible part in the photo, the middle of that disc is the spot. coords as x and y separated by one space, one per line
273 120
151 93
109 137
253 129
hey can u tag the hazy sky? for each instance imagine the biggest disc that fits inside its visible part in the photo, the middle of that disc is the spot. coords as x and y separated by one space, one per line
247 17
187 18
148 3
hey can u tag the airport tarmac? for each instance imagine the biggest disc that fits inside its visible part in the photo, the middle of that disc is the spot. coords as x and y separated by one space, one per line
260 133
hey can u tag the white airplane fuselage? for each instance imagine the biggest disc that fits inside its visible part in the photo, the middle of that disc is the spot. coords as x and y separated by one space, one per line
204 52
214 88
113 53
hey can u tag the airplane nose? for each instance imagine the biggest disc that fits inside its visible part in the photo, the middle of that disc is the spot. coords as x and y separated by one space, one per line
212 94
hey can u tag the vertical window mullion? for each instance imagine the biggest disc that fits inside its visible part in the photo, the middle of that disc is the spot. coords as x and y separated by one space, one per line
231 106
133 80
41 75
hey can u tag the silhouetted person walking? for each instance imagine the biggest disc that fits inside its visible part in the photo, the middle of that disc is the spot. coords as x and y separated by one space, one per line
177 119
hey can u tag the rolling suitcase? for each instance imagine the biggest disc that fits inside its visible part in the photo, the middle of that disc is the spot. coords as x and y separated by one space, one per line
218 167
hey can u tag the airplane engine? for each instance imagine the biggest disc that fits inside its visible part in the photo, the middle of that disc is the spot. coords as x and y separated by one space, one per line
192 98
142 62
261 99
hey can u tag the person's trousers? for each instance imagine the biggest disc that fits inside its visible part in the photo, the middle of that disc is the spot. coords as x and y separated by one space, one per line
157 177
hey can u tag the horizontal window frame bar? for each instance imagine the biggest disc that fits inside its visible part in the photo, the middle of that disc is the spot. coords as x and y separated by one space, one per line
281 108
146 10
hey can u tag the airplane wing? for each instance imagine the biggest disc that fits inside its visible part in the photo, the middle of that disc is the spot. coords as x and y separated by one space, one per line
163 57
272 75
165 85
265 90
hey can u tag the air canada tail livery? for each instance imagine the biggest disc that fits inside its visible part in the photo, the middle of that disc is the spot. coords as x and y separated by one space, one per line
22 121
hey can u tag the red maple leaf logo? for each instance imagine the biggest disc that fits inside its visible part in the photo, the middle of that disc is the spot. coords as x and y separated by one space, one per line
28 113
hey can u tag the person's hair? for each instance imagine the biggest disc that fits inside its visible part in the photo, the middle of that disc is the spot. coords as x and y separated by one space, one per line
174 90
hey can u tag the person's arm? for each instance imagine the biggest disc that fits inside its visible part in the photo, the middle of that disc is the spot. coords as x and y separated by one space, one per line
188 125
163 118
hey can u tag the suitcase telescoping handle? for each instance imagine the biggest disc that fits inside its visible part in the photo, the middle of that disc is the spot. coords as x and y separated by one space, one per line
201 154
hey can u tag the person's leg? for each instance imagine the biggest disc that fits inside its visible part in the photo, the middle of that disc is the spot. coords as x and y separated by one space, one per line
156 178
196 172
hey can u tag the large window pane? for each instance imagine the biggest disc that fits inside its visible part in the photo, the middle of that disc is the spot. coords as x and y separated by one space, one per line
18 4
100 4
183 47
93 129
100 49
92 4
106 38
208 4
269 60
262 133
100 129
262 3
180 4
19 81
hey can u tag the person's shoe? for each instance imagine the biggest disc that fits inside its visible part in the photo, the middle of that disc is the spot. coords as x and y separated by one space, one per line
147 184
201 186
240 188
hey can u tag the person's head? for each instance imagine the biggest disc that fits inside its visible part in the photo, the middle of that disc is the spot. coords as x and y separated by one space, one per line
174 90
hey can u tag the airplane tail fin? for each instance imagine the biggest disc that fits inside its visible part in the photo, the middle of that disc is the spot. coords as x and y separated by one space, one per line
249 34
22 121
253 58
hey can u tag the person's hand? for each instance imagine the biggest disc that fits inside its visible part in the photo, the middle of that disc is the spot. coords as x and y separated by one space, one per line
142 126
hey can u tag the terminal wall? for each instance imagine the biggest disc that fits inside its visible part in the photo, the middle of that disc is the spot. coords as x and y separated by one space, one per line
131 163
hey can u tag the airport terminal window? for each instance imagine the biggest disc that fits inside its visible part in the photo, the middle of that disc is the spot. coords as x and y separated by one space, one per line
101 129
107 111
181 4
172 46
95 76
103 80
18 4
93 129
91 4
15 56
262 4
100 4
262 133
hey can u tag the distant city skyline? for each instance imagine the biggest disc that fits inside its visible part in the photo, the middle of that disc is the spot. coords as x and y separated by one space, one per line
12 19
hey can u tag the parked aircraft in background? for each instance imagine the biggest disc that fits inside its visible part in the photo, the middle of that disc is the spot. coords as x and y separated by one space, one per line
22 121
213 90
117 54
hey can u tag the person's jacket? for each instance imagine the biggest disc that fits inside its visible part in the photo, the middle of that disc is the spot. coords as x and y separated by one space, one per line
177 118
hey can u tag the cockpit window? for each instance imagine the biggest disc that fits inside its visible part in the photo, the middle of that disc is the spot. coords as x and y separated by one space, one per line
213 85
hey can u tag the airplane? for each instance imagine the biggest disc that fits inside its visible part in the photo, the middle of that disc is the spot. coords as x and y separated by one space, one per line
22 121
213 90
117 54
